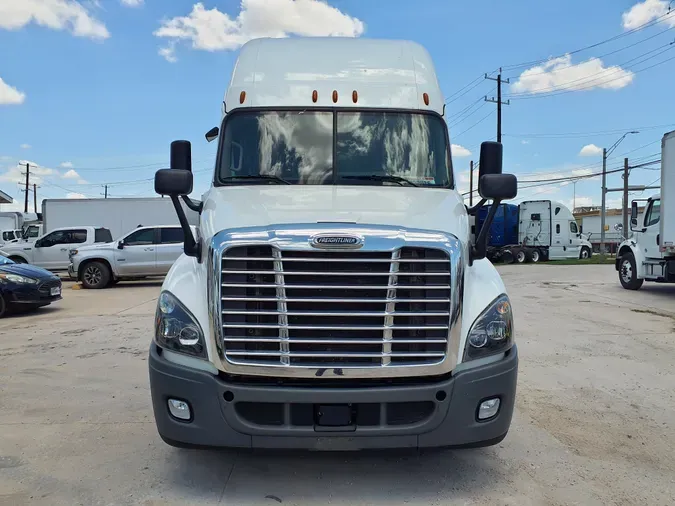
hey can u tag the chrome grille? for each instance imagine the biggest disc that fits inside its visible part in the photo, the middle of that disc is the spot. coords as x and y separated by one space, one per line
335 309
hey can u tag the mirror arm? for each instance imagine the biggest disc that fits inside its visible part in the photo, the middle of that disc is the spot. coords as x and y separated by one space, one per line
479 249
190 203
473 210
190 247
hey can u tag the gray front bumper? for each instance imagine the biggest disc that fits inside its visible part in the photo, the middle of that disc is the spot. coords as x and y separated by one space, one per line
216 422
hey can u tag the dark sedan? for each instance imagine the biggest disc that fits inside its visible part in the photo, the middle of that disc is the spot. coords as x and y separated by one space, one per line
28 286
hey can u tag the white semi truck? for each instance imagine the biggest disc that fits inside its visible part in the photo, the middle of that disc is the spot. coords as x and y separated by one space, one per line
649 255
333 297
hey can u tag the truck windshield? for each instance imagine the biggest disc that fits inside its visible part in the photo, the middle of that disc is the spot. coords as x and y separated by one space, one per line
342 147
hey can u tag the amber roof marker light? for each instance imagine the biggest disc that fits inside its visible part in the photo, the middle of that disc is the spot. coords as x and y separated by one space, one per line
425 96
335 96
315 96
355 96
242 97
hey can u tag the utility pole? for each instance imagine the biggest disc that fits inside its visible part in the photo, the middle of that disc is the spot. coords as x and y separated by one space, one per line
498 101
625 198
605 154
471 184
35 198
25 205
105 194
604 198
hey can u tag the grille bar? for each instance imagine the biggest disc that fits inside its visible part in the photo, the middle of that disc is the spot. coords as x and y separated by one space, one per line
332 301
332 341
335 314
332 355
341 260
317 273
329 327
336 287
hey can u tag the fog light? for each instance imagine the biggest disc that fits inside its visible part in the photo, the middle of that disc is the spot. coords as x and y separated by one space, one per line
179 409
488 409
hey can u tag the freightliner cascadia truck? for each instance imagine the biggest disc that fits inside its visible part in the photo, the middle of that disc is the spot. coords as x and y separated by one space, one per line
333 297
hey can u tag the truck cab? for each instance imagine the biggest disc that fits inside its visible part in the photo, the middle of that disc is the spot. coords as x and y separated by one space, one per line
51 251
333 297
649 255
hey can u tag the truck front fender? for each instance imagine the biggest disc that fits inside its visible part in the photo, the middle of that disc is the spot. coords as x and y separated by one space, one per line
630 246
482 285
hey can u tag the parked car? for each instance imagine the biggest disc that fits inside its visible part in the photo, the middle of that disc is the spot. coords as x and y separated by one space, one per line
26 285
146 251
10 236
51 250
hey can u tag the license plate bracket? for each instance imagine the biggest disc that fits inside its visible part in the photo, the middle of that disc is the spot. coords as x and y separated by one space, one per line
54 291
334 415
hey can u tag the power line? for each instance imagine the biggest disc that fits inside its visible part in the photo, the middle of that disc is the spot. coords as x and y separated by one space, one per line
570 135
591 46
561 90
475 124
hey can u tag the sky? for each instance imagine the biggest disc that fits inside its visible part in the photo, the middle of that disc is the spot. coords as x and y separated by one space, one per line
92 92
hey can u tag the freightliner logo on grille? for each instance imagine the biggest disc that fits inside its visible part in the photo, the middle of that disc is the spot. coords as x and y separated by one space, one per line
326 241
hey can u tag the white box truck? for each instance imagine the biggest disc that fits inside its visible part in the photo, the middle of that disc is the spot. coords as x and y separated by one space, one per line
333 297
119 215
649 255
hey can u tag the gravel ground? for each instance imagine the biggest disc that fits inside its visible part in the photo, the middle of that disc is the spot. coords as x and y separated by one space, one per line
593 422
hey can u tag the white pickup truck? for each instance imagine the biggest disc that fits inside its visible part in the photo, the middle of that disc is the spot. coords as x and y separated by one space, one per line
51 250
145 251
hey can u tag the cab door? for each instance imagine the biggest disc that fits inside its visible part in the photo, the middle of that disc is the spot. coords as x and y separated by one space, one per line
169 248
51 251
574 248
137 257
649 237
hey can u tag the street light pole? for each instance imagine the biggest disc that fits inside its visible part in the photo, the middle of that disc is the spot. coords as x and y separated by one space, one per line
605 154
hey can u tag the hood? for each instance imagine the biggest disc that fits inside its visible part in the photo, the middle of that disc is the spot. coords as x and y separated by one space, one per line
30 271
401 206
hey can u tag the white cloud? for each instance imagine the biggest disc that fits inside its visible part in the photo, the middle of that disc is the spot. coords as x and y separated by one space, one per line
169 52
25 146
9 95
68 15
16 173
81 181
590 150
212 30
67 165
458 150
524 141
646 11
75 196
560 74
71 174
132 3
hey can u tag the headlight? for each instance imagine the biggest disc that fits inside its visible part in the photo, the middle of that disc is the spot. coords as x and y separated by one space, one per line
15 278
176 329
492 332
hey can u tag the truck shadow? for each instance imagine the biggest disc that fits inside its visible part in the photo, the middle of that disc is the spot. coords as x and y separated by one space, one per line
373 477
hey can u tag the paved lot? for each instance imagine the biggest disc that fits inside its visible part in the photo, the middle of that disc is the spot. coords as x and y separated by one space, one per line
593 424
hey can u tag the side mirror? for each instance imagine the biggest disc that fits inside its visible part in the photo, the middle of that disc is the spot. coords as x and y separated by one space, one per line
120 244
212 134
490 159
173 182
498 186
38 244
633 214
181 155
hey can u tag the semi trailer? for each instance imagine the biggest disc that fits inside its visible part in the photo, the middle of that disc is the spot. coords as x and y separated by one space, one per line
333 297
535 230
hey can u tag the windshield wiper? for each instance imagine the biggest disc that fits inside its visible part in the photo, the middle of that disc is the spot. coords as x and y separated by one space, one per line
259 177
378 177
